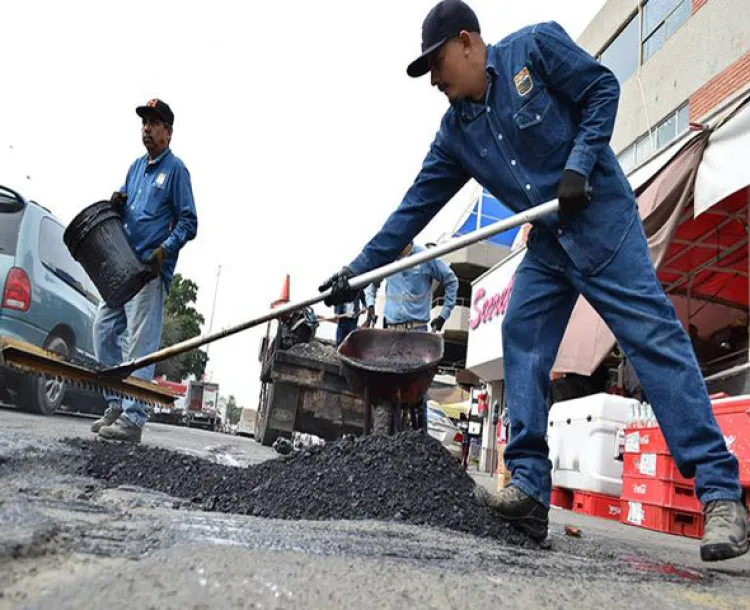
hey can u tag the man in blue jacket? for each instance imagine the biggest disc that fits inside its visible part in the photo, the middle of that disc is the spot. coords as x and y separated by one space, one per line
159 218
531 119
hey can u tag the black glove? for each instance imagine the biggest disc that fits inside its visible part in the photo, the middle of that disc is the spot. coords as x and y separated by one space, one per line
341 291
156 261
372 319
118 201
573 194
437 324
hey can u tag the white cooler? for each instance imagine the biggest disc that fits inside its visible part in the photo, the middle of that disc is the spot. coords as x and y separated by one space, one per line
583 446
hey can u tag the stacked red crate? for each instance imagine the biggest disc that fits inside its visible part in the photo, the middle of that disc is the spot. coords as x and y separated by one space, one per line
597 505
654 493
562 498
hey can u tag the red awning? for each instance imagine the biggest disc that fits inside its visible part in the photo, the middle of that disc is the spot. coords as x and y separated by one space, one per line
708 257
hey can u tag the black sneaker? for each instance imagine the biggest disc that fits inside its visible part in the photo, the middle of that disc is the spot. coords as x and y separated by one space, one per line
110 417
725 531
515 507
121 430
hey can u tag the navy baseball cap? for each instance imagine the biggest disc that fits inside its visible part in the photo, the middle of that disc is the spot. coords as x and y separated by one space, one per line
446 19
156 107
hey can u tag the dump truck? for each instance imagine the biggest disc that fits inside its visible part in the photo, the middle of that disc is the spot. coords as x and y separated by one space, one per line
303 388
202 405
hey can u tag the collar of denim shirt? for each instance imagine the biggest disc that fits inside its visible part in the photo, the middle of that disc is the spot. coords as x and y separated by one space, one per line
470 110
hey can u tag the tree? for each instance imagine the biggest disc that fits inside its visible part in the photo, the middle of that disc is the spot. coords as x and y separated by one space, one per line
181 322
234 411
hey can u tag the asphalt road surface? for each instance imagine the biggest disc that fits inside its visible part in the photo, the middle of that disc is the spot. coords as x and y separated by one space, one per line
70 541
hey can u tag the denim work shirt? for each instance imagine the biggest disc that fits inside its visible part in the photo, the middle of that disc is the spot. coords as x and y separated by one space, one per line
549 106
408 295
160 210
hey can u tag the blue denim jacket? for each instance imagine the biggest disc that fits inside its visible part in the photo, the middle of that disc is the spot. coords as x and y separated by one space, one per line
549 106
160 210
408 295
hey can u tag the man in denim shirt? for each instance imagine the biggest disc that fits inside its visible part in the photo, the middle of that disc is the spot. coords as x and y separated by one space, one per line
159 218
408 295
531 119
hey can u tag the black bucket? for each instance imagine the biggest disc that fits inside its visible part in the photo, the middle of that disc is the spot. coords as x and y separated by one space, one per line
95 238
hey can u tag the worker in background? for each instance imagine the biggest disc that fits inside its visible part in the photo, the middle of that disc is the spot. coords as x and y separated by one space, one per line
408 295
463 425
408 301
531 119
347 315
159 218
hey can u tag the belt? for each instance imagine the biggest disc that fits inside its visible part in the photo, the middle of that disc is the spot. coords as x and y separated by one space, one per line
407 325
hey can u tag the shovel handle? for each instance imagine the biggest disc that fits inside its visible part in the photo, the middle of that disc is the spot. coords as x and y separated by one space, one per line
361 281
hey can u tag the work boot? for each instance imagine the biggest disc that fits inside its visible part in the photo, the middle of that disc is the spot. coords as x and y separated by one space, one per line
517 508
725 531
110 417
121 430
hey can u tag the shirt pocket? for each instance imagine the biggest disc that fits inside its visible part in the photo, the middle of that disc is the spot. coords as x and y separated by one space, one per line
157 195
541 126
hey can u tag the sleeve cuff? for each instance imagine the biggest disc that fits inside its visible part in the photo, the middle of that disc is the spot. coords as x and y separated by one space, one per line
581 160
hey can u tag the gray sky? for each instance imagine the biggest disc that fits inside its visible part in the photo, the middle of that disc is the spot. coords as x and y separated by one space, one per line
294 118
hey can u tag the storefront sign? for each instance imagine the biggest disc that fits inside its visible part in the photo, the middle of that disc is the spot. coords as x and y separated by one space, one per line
490 299
484 308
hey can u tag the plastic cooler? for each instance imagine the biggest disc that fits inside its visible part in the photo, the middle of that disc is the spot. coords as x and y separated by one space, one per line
662 519
597 505
660 493
582 439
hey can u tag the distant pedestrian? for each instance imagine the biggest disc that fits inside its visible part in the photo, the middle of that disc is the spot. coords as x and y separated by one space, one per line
347 315
463 425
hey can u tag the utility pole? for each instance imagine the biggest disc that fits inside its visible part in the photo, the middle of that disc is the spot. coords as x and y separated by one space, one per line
213 308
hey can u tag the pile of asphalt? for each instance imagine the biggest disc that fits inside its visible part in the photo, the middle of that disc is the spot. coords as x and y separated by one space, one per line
315 350
407 477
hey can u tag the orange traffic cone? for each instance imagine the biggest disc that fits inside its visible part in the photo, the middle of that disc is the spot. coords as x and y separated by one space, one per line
284 298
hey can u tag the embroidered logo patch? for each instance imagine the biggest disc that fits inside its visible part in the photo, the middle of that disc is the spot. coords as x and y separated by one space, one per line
524 84
160 179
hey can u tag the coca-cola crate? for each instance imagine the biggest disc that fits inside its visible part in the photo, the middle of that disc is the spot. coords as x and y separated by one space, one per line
645 440
652 465
733 417
660 493
597 505
562 498
662 519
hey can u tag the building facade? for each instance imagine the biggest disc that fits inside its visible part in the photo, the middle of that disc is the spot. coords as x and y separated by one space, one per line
678 62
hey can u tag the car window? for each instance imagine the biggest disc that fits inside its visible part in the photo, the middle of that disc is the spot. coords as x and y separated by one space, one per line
55 256
11 214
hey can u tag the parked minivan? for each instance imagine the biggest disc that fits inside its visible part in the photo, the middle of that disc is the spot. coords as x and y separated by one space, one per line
47 298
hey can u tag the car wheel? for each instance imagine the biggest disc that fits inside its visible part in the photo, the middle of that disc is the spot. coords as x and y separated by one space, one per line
42 394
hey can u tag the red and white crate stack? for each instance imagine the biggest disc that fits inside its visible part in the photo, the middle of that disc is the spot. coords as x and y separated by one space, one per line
654 494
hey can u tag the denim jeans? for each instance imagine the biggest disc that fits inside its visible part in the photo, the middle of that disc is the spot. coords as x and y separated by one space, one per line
344 327
627 295
128 332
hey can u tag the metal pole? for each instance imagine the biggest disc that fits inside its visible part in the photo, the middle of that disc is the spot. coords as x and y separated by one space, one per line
213 307
360 281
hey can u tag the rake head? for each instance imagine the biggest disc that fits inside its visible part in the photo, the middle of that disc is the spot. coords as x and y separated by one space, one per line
30 359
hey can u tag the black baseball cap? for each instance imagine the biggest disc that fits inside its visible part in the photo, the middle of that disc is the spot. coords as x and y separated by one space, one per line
446 19
156 107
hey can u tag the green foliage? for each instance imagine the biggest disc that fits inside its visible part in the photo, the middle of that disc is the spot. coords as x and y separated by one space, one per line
181 322
234 411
